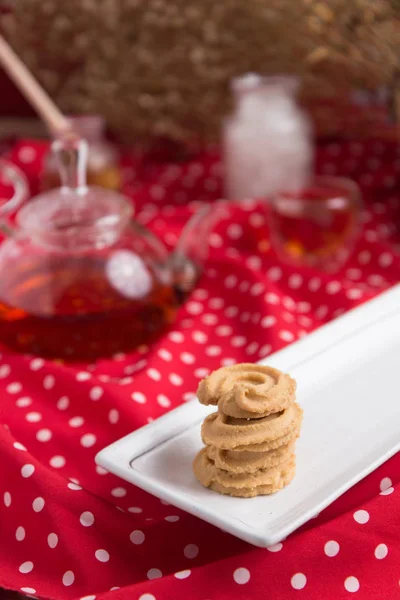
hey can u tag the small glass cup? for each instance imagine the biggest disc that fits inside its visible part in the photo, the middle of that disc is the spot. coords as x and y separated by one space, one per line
318 225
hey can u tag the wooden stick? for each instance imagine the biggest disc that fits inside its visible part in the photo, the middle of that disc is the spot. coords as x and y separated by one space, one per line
32 90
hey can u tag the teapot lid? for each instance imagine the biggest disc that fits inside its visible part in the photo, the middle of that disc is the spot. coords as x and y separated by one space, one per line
74 204
66 208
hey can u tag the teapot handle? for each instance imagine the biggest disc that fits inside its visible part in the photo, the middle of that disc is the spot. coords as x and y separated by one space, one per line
191 252
12 175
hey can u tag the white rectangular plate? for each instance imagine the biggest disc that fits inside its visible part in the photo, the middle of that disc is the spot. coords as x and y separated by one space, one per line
347 374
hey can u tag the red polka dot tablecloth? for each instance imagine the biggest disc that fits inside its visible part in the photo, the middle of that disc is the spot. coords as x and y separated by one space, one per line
71 530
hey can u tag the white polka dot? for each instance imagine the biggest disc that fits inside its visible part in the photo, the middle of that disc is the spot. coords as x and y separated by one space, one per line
44 435
5 370
295 281
84 375
154 374
163 401
68 578
38 504
234 231
36 364
19 446
387 492
101 470
376 280
88 440
274 273
28 590
27 471
164 354
244 286
354 273
213 350
175 379
74 486
27 154
201 372
268 321
33 417
245 317
63 403
331 548
321 312
209 319
139 397
20 534
238 341
26 567
90 597
176 336
191 551
232 311
381 551
52 540
23 402
241 576
48 382
298 581
57 462
7 499
147 597
86 519
137 537
113 416
224 330
216 303
182 574
352 584
102 555
385 484
286 336
361 516
252 348
187 358
200 337
135 509
385 259
275 547
314 284
172 518
14 388
194 308
76 422
231 281
333 287
154 574
354 294
265 350
96 393
118 492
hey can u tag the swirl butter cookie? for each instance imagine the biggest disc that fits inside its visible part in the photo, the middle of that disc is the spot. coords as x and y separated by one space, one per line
245 485
227 432
247 391
248 461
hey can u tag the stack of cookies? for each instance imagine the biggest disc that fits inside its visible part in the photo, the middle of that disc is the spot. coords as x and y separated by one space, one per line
250 440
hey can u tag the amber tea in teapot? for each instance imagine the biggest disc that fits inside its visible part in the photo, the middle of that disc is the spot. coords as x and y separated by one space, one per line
80 279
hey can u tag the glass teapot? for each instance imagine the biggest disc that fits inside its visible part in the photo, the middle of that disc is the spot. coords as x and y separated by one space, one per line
79 279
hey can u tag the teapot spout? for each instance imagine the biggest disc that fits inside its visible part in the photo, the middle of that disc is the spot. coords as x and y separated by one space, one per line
191 252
